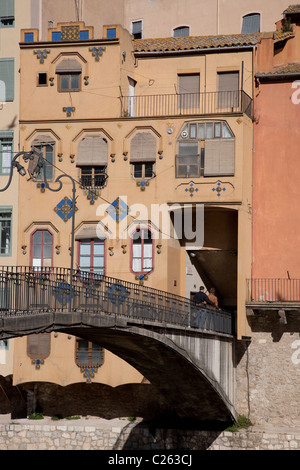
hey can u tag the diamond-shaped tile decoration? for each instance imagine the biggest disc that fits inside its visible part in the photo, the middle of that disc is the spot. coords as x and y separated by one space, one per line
117 293
219 188
191 189
41 54
64 209
97 52
118 210
68 110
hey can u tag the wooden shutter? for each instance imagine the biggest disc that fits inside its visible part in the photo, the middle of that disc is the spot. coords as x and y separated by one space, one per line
7 9
219 157
251 23
38 345
68 66
143 148
91 232
189 87
7 76
228 90
92 151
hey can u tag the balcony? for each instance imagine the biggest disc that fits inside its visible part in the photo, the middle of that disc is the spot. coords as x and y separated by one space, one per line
266 291
216 103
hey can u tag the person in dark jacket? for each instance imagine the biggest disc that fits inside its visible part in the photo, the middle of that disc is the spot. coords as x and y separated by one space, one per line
202 298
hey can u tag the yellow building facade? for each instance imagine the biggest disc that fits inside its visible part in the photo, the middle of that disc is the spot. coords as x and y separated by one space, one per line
157 136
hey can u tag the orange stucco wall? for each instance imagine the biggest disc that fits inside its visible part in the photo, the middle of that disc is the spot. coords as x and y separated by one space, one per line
276 178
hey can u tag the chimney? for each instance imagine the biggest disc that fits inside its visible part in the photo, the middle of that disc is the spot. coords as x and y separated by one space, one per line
265 53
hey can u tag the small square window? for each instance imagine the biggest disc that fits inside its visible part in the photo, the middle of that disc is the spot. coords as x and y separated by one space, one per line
69 82
56 36
111 33
136 29
143 170
28 37
83 35
42 79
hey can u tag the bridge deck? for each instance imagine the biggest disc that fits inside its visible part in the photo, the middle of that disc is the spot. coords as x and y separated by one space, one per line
26 291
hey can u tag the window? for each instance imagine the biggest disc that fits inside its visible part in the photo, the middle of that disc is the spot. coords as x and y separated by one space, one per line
4 344
88 354
47 152
251 23
92 156
143 154
29 37
7 13
136 29
111 33
38 346
69 82
143 170
41 249
56 36
142 251
7 79
131 97
182 31
42 79
69 75
93 177
6 151
5 230
228 90
189 91
205 149
91 256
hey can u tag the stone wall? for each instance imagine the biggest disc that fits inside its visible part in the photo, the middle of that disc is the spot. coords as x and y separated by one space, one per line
268 370
124 435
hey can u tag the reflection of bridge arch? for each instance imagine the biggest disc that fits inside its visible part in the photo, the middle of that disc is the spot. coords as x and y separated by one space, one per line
192 368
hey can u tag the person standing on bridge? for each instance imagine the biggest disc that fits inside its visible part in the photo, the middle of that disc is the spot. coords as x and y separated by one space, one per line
213 298
202 299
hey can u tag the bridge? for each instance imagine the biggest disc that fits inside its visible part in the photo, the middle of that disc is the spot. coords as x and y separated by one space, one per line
183 350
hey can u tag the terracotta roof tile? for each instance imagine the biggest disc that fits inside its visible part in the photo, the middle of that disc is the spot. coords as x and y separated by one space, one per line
194 42
203 42
289 69
292 9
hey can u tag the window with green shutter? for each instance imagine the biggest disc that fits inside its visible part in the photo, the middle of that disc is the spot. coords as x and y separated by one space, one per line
7 13
5 230
6 151
7 80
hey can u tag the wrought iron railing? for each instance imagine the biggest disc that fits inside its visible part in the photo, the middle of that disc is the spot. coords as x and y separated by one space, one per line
26 291
218 102
274 290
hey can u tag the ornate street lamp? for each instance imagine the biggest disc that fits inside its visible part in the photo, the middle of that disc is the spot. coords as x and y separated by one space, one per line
15 164
36 164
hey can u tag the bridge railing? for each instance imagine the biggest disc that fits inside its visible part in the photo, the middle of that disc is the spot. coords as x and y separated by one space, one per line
25 290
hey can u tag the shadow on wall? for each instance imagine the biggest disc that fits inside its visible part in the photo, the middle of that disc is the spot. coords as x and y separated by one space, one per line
82 399
168 434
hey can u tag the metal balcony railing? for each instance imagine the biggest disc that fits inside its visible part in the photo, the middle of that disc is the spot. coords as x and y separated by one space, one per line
24 290
218 102
273 290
